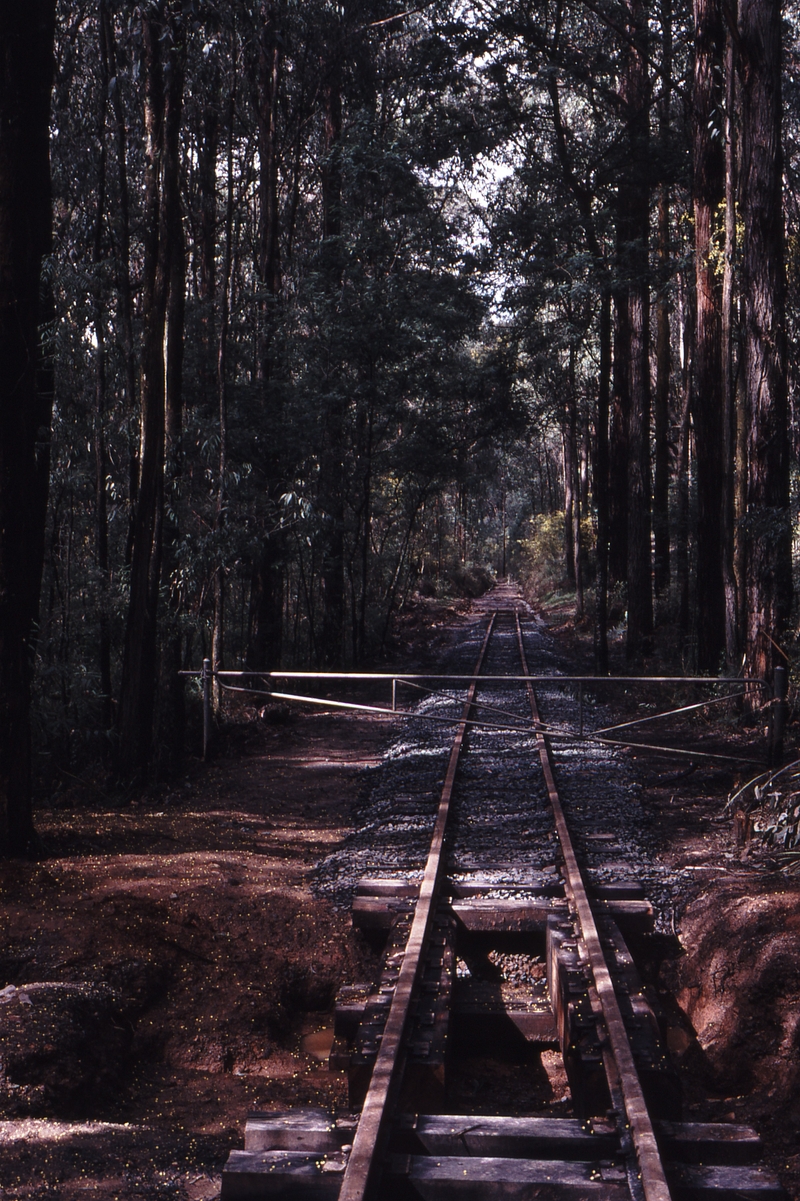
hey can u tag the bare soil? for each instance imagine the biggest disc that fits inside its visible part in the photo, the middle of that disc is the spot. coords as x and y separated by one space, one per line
166 968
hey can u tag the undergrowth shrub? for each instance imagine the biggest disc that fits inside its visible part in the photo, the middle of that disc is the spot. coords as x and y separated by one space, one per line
541 559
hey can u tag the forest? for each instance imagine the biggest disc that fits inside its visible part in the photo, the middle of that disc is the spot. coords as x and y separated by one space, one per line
309 308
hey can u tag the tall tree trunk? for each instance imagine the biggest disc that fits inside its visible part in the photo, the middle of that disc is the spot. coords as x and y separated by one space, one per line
634 213
163 92
618 448
663 355
265 623
26 73
207 152
602 485
124 262
741 475
218 629
682 462
173 728
767 523
708 190
600 482
332 462
569 449
572 490
100 451
730 584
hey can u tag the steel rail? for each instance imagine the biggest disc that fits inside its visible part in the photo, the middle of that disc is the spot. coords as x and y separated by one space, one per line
364 1164
653 1179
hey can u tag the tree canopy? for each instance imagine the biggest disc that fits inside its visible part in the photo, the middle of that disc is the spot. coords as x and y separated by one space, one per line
348 302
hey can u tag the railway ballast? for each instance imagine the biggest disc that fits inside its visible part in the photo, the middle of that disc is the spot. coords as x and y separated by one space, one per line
510 886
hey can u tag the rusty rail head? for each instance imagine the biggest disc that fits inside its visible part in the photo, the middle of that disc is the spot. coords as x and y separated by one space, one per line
653 1179
364 1164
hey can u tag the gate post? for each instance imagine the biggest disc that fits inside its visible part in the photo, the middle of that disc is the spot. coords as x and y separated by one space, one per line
208 679
779 712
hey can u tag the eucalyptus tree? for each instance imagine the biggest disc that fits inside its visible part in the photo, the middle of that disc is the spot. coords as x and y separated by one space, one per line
768 573
26 73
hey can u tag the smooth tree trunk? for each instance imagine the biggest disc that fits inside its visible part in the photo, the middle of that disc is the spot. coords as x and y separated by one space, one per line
601 490
208 137
332 469
123 235
101 398
265 621
708 191
661 546
634 222
26 74
768 580
173 724
572 501
569 450
602 484
683 462
218 625
729 383
162 69
618 442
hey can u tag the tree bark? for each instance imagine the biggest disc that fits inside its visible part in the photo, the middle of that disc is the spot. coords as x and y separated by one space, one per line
123 225
661 545
767 525
730 584
100 450
602 485
569 449
163 94
173 727
265 624
218 630
572 502
682 464
633 219
206 249
618 447
600 480
26 74
708 190
332 461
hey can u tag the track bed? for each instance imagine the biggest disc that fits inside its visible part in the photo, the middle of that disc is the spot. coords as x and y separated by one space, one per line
508 1047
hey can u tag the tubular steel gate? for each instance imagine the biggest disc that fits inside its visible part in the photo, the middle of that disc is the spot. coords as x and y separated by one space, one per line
236 681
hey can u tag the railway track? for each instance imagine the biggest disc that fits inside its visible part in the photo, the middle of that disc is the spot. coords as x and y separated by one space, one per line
515 935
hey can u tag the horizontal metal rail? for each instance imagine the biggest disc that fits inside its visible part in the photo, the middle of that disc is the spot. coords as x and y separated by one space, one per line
400 676
207 675
594 738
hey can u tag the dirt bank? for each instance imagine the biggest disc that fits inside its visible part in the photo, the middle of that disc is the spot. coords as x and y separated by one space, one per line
166 969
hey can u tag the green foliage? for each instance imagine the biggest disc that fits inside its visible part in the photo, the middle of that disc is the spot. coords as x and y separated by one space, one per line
540 556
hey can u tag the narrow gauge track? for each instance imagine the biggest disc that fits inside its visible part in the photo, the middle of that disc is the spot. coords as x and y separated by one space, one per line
395 1037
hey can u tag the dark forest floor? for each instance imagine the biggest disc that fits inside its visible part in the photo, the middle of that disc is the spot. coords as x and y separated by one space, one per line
166 967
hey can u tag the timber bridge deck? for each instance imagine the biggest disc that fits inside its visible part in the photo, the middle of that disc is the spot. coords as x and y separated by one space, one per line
513 923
